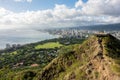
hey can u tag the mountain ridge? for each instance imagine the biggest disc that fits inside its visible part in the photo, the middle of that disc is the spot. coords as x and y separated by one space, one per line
97 58
88 61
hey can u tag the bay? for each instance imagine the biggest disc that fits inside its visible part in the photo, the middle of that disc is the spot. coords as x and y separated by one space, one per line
22 37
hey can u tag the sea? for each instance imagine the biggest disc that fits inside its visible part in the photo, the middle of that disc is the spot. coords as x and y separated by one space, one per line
22 37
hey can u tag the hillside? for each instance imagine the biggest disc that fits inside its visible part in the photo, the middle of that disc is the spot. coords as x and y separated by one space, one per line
98 58
29 59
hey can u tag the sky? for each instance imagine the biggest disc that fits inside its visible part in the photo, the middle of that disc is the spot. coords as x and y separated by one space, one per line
42 14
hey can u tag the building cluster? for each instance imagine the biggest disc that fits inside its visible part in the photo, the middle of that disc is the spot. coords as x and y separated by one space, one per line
8 46
81 33
72 33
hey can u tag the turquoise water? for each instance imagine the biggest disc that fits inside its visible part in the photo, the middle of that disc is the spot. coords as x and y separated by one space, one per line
22 37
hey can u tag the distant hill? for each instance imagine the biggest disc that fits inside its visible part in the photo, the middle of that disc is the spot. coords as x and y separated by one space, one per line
98 58
106 27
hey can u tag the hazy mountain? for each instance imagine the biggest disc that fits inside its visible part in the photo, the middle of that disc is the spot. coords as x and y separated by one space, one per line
107 27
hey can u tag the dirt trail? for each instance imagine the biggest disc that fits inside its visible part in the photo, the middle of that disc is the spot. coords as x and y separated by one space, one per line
100 64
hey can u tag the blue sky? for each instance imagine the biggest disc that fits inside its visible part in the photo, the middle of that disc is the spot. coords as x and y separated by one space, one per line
34 5
57 13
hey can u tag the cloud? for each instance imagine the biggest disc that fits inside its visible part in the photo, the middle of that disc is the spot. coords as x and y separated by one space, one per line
79 3
92 12
23 1
100 7
29 1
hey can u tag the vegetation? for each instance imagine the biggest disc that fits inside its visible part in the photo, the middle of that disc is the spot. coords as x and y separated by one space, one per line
112 45
82 62
90 60
49 45
112 49
25 62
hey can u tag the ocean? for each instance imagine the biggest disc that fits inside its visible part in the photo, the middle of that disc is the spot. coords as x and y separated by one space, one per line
22 37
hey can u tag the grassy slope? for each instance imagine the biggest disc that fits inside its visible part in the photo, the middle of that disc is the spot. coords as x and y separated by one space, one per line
112 51
49 45
84 62
30 55
68 65
81 62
